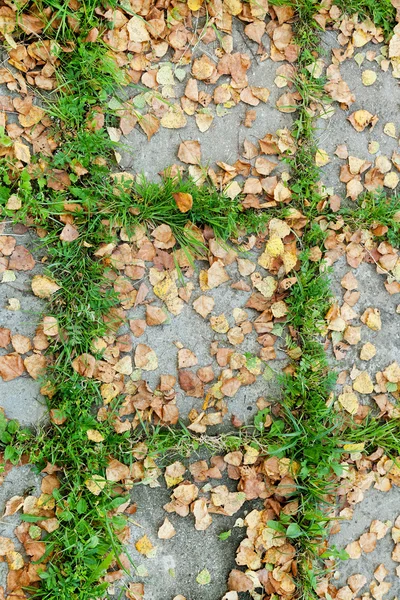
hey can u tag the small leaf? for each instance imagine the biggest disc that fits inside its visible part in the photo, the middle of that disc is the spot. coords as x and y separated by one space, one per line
204 577
294 531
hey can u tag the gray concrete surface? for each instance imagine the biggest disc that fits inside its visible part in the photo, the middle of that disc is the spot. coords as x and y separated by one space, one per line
195 333
380 99
178 561
20 397
373 294
376 505
224 140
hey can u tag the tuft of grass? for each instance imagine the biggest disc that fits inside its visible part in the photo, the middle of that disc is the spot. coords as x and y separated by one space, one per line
382 13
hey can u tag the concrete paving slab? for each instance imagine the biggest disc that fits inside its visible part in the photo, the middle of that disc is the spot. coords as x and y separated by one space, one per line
380 99
373 294
224 140
196 334
376 505
178 561
21 398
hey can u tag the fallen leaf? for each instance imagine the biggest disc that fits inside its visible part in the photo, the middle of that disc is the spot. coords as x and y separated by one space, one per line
204 305
44 287
184 201
204 577
368 77
94 435
117 471
363 383
349 401
360 119
11 366
96 484
167 530
189 152
69 233
368 351
145 358
368 542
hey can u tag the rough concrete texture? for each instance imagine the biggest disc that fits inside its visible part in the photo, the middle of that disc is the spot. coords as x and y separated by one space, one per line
224 140
195 333
380 99
373 294
376 505
20 397
177 562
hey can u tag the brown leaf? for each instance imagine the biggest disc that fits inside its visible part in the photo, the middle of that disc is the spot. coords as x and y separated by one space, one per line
21 343
202 518
183 201
5 337
186 358
11 366
174 474
150 125
239 581
360 119
155 315
116 471
84 365
368 542
167 530
69 233
21 260
35 365
287 103
145 358
203 68
190 152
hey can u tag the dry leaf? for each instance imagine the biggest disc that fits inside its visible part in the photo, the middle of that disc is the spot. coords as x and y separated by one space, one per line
44 287
167 530
11 366
144 546
183 201
190 152
145 358
204 305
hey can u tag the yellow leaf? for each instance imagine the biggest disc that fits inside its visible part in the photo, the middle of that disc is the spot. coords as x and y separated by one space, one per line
96 484
354 447
266 285
22 152
321 158
184 201
144 546
363 383
94 435
44 287
368 77
390 130
195 4
349 401
275 246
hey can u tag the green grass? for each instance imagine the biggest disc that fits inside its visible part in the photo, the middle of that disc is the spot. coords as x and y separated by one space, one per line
381 12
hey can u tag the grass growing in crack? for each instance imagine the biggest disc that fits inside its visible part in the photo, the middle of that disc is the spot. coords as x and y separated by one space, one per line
373 209
382 13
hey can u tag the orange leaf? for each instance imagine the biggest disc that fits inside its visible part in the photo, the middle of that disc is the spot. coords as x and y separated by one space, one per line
183 201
